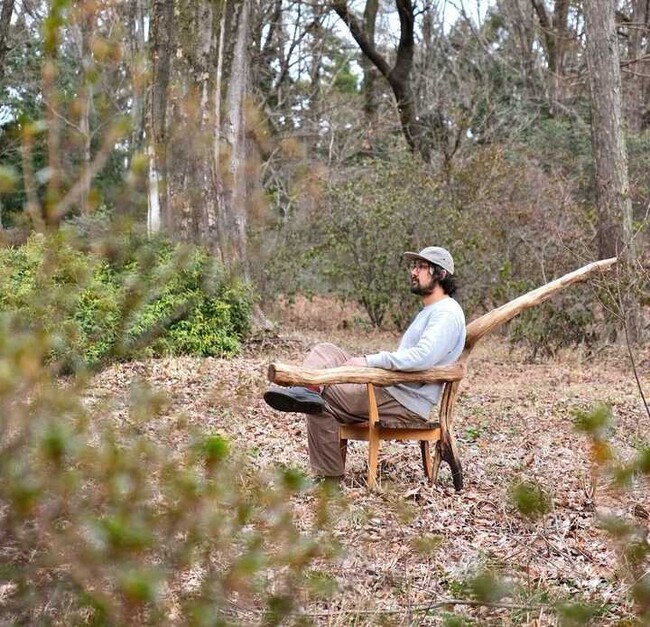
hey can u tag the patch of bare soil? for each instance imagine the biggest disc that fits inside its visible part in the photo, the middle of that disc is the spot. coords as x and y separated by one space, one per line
410 545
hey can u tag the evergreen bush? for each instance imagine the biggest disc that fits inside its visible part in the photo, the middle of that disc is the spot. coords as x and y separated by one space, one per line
154 298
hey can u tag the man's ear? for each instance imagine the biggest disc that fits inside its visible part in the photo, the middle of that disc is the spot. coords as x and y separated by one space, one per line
443 275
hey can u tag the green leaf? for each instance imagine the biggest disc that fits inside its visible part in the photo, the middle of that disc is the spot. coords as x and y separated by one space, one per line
8 179
213 449
594 421
530 499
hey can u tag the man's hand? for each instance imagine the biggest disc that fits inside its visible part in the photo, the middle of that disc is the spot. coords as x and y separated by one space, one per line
356 361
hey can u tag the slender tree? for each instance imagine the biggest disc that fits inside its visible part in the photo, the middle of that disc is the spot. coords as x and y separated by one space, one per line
636 24
608 141
162 29
555 38
5 21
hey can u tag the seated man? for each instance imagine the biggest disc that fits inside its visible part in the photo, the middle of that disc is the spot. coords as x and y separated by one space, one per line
436 337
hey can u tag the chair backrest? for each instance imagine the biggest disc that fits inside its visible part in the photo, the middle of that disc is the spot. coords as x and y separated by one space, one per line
495 318
482 326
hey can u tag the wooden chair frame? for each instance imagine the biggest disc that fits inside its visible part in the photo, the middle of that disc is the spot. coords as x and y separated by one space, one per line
439 433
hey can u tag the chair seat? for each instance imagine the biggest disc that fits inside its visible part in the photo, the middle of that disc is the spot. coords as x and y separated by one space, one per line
429 431
388 424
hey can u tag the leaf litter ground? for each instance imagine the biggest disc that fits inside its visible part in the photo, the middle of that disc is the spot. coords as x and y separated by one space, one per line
410 545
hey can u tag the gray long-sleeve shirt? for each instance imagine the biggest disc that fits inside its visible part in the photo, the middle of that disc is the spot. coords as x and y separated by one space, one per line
436 337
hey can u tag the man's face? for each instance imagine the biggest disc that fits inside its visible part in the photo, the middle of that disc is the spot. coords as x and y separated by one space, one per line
422 281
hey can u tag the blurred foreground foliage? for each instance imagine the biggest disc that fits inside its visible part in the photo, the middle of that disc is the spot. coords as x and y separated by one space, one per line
533 502
99 523
119 295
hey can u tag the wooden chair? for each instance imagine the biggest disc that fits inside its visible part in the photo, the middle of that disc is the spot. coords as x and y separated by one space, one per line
439 433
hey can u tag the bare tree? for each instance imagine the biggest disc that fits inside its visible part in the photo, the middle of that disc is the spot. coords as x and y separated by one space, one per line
609 150
555 39
398 74
635 25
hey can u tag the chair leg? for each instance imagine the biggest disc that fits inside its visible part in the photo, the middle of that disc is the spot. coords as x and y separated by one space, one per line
447 449
373 438
435 462
427 462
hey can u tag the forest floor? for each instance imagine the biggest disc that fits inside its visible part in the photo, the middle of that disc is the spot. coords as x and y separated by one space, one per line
410 546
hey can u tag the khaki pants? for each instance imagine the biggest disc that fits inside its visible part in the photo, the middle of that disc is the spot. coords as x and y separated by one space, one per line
347 403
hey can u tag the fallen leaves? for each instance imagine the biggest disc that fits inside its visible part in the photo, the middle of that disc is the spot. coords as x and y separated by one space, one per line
411 543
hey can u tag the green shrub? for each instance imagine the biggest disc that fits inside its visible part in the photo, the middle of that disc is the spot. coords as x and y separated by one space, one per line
530 499
172 299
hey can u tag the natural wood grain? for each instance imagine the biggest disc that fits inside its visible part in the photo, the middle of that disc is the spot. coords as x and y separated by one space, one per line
373 437
427 462
287 374
447 449
360 432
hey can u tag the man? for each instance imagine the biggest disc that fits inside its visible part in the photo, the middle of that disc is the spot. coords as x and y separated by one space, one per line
436 337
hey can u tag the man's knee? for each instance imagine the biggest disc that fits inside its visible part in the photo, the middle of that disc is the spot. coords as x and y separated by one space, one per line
327 347
325 355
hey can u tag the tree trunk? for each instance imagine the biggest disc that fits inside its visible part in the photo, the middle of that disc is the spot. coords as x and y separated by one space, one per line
51 64
555 36
610 155
162 48
5 22
399 75
370 74
190 190
86 21
137 49
235 191
635 67
219 243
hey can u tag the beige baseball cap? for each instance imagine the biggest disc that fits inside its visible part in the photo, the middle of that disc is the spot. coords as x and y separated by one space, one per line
433 254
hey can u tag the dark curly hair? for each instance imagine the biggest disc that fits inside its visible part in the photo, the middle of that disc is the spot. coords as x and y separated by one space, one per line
447 282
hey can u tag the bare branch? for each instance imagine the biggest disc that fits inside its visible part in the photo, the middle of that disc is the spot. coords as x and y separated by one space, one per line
357 31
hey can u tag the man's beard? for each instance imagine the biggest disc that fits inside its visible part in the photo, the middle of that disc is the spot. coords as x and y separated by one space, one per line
422 290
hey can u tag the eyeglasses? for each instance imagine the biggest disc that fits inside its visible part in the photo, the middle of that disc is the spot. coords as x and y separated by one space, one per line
418 265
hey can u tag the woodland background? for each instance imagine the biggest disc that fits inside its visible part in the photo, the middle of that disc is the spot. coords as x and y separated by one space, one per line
175 176
307 144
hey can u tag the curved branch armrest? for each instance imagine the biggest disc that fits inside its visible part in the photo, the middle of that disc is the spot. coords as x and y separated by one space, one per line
286 374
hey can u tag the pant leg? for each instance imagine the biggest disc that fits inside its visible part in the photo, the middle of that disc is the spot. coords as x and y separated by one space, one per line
346 403
323 428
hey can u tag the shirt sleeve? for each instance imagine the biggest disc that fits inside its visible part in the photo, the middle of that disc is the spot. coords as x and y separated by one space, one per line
435 343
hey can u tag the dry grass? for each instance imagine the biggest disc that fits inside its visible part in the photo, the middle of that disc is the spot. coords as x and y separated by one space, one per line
513 421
